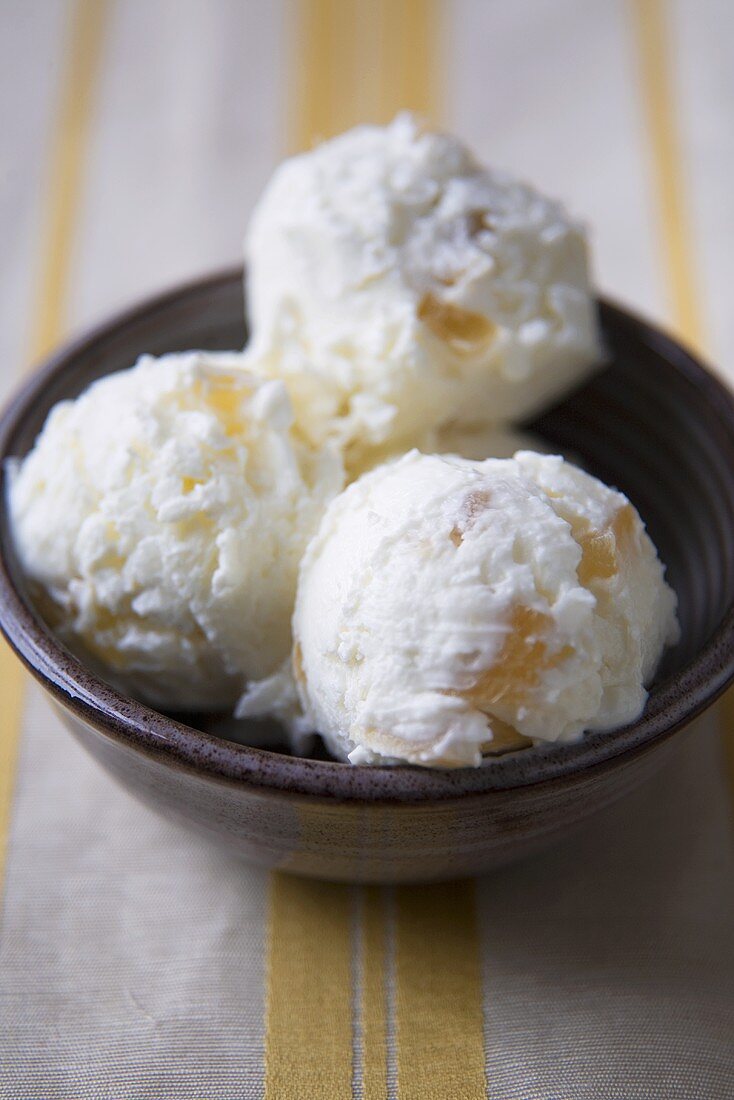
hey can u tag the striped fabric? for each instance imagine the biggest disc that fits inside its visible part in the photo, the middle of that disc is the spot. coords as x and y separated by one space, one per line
138 961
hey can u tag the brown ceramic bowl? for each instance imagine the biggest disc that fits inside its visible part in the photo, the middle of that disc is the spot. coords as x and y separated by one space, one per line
655 423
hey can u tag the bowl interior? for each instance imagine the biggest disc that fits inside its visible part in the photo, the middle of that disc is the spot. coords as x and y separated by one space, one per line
653 423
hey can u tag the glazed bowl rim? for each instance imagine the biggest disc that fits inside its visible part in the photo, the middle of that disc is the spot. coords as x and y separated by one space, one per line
672 704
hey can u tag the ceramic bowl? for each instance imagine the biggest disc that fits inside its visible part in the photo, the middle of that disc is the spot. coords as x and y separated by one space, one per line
654 423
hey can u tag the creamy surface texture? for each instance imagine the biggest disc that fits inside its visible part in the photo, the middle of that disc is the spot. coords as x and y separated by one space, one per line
448 608
161 517
396 284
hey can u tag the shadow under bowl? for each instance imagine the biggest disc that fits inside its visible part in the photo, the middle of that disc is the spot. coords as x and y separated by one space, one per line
654 423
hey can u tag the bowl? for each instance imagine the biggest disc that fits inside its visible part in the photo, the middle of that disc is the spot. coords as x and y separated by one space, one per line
654 423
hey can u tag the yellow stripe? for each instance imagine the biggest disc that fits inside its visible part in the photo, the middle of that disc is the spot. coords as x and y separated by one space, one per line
308 1037
356 61
12 680
65 168
309 1032
653 46
410 58
438 1004
374 995
361 61
323 60
654 50
66 171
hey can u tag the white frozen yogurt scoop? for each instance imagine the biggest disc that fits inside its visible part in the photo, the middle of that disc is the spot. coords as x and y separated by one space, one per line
161 517
396 284
448 608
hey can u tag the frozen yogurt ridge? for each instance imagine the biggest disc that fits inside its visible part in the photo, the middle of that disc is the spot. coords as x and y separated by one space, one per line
161 517
396 284
448 608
